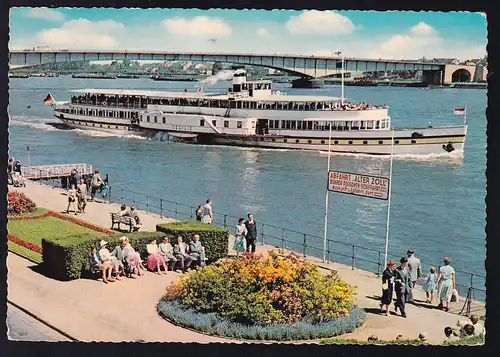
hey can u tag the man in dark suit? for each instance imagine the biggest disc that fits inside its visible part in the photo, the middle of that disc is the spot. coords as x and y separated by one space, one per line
252 233
403 282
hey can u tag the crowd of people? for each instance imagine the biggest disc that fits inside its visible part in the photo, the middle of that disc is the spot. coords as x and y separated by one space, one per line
402 279
14 174
123 260
78 189
356 106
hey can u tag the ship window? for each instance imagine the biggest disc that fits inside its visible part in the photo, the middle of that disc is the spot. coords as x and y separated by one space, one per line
336 142
355 125
350 142
156 119
276 124
271 124
261 139
202 122
147 118
283 124
253 125
299 125
226 123
273 140
239 124
413 141
294 123
309 125
380 142
164 120
285 140
297 140
322 141
288 122
377 124
109 127
396 141
369 124
214 122
142 118
100 125
309 141
117 127
93 124
365 142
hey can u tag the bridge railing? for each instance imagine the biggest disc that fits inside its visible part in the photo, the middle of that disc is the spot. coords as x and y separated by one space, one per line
356 256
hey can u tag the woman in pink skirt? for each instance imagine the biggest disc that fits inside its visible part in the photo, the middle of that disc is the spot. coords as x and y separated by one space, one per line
155 260
133 257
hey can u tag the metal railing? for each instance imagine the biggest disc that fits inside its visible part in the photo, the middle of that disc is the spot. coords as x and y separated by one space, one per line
356 256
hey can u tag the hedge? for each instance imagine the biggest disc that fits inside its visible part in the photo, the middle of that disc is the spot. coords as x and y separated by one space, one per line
213 238
213 323
68 258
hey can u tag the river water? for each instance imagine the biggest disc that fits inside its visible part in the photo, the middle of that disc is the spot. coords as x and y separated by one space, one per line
438 204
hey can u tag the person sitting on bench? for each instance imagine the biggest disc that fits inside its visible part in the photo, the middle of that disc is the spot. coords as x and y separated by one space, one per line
133 214
197 251
104 267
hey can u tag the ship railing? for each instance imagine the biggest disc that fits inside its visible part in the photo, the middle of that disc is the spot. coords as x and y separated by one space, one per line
309 245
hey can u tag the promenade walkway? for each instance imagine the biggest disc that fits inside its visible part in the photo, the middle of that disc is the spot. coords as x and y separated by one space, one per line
126 310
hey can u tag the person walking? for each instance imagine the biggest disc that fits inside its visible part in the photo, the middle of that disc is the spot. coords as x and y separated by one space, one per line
388 277
414 266
208 216
97 184
81 195
72 201
402 281
240 244
445 284
251 237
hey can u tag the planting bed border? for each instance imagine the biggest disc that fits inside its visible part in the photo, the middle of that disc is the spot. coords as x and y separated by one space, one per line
189 318
38 249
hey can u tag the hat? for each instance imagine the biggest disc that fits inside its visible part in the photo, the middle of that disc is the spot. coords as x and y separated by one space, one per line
102 243
132 208
423 336
447 260
123 238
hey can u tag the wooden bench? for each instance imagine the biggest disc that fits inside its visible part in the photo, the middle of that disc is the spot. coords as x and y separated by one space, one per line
116 218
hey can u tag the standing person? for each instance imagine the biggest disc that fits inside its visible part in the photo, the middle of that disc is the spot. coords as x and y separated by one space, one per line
388 277
17 167
10 170
97 184
240 243
199 213
72 201
402 282
72 179
208 216
81 194
167 251
414 266
251 227
445 284
181 252
430 285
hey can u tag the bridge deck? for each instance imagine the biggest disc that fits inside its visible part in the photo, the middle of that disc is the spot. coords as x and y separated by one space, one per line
54 171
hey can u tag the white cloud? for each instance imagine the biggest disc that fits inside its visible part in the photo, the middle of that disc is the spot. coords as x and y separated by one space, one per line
262 32
199 26
45 14
314 22
421 29
424 41
82 34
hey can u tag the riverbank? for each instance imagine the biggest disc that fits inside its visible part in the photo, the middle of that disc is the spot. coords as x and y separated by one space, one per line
47 298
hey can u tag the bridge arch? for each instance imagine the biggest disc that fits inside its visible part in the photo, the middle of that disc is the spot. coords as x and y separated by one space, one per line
461 75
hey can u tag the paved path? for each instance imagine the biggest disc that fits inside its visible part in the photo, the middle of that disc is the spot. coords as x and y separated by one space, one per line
126 310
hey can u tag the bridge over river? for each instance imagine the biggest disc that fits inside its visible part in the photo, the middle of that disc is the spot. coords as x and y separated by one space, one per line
309 68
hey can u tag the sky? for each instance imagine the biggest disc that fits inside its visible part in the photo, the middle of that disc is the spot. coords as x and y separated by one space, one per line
367 34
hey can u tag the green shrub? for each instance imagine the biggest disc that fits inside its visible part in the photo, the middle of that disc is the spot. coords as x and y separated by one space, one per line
213 323
275 290
67 258
213 238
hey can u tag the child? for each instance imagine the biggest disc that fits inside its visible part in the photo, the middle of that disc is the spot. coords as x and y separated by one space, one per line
430 285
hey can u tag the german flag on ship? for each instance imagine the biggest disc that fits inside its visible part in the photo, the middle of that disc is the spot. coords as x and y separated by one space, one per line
48 99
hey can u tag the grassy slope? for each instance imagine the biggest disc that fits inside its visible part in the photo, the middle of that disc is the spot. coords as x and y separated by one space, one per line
25 252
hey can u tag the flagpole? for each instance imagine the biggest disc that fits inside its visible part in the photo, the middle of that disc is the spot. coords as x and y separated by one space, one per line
465 115
29 160
389 202
327 191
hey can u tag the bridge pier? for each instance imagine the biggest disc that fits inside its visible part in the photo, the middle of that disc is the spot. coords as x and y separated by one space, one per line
308 83
433 77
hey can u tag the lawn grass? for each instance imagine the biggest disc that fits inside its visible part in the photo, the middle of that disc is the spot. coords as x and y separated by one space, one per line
48 227
25 252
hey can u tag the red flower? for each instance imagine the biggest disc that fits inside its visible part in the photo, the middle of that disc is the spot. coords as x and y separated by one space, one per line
24 243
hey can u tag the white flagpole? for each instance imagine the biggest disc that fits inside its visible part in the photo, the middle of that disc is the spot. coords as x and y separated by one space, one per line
465 115
326 198
389 202
342 80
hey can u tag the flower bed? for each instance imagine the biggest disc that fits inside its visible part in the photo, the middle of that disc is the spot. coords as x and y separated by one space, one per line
275 298
18 203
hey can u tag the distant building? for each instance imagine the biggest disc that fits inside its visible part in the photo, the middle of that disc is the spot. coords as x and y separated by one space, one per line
446 60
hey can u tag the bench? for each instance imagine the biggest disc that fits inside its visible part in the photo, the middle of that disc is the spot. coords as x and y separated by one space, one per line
118 219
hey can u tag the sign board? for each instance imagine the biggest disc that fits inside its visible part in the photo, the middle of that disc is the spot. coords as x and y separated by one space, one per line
359 185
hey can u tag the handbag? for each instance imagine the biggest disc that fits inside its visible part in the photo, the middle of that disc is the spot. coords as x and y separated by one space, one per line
385 286
454 296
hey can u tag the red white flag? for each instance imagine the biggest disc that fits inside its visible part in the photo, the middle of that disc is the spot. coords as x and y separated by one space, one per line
459 111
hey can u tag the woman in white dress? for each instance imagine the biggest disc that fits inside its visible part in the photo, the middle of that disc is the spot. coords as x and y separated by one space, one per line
445 284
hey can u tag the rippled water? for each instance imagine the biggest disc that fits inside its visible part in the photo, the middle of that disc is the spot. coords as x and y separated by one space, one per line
438 205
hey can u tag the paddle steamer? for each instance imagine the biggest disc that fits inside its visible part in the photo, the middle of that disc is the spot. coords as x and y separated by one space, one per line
251 114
